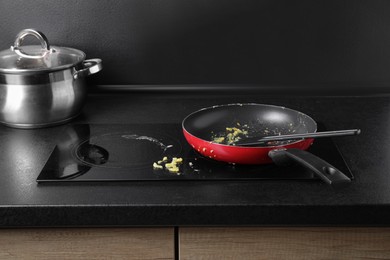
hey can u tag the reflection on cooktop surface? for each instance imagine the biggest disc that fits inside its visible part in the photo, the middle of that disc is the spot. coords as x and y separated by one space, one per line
132 149
127 153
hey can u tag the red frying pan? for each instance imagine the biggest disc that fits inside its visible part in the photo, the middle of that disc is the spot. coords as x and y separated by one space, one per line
207 132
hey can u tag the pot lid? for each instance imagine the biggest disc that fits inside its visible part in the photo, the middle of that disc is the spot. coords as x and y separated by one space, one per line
37 58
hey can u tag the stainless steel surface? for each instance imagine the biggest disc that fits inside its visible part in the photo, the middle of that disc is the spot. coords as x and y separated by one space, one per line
40 36
348 132
42 91
41 58
90 67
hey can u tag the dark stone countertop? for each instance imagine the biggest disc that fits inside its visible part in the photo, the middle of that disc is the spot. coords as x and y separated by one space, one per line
365 201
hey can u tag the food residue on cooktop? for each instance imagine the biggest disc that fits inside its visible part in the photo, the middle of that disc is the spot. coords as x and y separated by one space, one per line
231 135
173 166
147 138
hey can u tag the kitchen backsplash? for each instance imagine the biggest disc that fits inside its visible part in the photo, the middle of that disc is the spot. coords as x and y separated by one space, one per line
215 41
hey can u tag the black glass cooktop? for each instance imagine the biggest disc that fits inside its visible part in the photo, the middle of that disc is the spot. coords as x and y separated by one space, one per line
100 152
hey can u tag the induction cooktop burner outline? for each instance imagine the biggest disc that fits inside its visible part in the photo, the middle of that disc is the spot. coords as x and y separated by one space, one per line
127 152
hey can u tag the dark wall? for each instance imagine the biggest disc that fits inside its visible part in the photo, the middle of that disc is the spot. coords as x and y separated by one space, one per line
215 41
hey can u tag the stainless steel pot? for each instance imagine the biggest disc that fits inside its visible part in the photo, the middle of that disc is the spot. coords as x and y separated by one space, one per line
42 85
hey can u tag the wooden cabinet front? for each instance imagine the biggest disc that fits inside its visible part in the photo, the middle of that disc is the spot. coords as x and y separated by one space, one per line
87 243
284 243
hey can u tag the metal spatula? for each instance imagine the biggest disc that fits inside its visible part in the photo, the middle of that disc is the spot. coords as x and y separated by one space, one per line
259 141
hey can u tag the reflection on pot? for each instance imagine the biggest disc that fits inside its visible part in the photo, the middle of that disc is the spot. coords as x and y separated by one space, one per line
65 166
24 152
93 154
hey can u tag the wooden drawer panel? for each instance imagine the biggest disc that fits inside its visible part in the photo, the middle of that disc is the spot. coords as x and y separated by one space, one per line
284 243
87 243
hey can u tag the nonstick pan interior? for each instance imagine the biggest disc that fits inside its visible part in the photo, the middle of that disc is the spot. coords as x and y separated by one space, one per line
260 120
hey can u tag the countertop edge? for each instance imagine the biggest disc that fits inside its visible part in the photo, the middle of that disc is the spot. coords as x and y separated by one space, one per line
187 215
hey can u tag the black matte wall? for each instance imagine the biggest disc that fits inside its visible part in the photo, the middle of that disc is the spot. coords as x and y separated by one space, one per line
215 41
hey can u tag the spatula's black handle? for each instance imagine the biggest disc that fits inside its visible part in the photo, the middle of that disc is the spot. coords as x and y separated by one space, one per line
321 168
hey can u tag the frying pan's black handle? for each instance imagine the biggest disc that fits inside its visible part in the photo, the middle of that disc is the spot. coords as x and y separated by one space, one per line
321 168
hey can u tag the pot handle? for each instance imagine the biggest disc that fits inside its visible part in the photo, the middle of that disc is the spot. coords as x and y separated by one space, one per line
90 66
37 34
321 168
